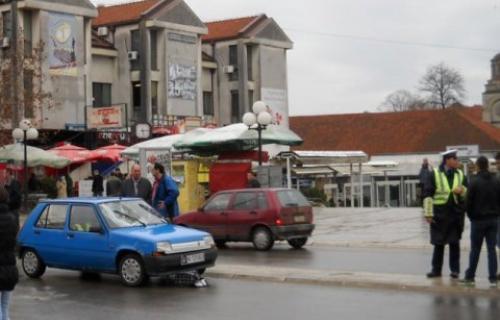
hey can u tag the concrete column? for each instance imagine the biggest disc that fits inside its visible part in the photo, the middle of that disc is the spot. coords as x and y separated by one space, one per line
145 69
288 173
352 185
243 77
360 185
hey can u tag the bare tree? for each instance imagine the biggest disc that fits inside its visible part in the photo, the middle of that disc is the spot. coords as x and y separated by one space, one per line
402 100
443 86
28 78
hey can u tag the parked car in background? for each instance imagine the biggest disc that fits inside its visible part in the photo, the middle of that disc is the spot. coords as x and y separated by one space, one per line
110 235
258 215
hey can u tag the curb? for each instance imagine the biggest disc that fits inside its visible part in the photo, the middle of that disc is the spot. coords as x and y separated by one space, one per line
339 278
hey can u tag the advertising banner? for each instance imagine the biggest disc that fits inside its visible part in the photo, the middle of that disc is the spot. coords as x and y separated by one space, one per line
181 81
276 100
61 44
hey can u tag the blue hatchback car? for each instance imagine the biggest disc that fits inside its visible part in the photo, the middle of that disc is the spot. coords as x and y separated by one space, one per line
124 236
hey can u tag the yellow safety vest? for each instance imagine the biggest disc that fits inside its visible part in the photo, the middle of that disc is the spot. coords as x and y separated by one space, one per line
443 189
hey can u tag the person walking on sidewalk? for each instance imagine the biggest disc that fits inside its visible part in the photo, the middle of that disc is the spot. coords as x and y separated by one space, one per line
9 275
483 210
136 185
444 204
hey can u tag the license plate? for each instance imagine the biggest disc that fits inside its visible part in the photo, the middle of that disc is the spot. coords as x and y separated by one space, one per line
192 258
299 219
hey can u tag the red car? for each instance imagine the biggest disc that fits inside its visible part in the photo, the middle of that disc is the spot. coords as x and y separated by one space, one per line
257 215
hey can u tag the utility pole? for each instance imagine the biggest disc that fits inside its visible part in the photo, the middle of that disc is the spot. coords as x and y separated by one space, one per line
14 58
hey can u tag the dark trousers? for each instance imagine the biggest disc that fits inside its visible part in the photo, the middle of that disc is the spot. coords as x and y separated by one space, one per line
438 254
480 230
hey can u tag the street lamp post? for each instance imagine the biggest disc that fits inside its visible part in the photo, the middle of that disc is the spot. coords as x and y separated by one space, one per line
25 132
258 120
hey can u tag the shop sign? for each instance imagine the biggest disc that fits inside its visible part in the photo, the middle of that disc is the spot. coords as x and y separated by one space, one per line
105 117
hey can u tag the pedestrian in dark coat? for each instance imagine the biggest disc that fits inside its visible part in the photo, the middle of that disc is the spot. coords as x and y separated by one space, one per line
136 185
113 186
483 210
252 181
13 188
444 209
8 270
497 159
97 184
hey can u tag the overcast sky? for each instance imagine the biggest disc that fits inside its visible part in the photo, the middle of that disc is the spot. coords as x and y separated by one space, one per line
349 55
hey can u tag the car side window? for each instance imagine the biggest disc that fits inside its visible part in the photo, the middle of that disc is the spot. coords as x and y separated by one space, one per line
219 202
245 201
53 217
83 219
262 200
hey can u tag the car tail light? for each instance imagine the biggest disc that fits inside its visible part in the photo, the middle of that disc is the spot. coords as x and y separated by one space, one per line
279 222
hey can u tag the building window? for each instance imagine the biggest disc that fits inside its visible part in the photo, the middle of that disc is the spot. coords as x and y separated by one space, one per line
136 95
208 103
7 24
250 62
102 94
154 49
235 106
250 99
135 46
28 93
154 97
233 61
28 33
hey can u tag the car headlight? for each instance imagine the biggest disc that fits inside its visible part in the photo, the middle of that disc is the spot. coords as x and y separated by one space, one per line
165 247
209 241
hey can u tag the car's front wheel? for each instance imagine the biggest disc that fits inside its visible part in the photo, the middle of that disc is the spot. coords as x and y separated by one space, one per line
33 266
262 239
297 243
131 270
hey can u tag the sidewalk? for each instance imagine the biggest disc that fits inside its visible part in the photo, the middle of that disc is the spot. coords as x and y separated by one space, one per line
350 279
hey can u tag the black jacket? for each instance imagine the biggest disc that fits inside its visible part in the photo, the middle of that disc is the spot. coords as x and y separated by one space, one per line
483 197
8 230
97 184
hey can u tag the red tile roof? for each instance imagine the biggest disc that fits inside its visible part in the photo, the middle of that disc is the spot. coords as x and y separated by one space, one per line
122 13
397 132
228 29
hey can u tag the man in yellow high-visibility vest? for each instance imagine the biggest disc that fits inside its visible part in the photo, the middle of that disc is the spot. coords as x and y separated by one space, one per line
444 210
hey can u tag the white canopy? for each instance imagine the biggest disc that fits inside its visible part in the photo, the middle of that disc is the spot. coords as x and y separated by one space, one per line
35 156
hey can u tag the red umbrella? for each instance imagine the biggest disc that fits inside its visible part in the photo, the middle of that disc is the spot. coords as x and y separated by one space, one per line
110 153
76 154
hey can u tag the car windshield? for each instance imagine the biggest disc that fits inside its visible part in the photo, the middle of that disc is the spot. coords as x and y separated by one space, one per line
133 213
292 198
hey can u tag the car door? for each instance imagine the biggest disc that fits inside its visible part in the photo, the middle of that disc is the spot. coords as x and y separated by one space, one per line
87 240
213 216
49 236
247 209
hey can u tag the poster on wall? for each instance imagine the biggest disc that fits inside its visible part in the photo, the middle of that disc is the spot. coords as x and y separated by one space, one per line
181 81
276 101
62 45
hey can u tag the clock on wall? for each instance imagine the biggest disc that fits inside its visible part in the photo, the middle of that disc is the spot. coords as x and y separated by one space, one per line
142 130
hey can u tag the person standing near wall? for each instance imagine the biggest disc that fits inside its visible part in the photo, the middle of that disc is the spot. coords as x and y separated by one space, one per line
497 160
483 210
13 188
444 210
97 184
9 275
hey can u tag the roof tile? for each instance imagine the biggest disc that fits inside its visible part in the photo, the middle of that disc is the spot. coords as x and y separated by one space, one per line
397 132
227 29
122 13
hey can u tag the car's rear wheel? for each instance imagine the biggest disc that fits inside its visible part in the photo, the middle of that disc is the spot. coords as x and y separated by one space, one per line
297 243
33 266
262 239
131 270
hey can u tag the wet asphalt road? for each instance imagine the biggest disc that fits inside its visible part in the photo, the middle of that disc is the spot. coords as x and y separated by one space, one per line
377 260
62 295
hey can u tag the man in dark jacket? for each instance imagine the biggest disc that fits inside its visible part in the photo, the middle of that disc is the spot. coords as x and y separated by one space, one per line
252 181
444 199
497 159
113 185
137 186
483 210
97 184
8 270
13 188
